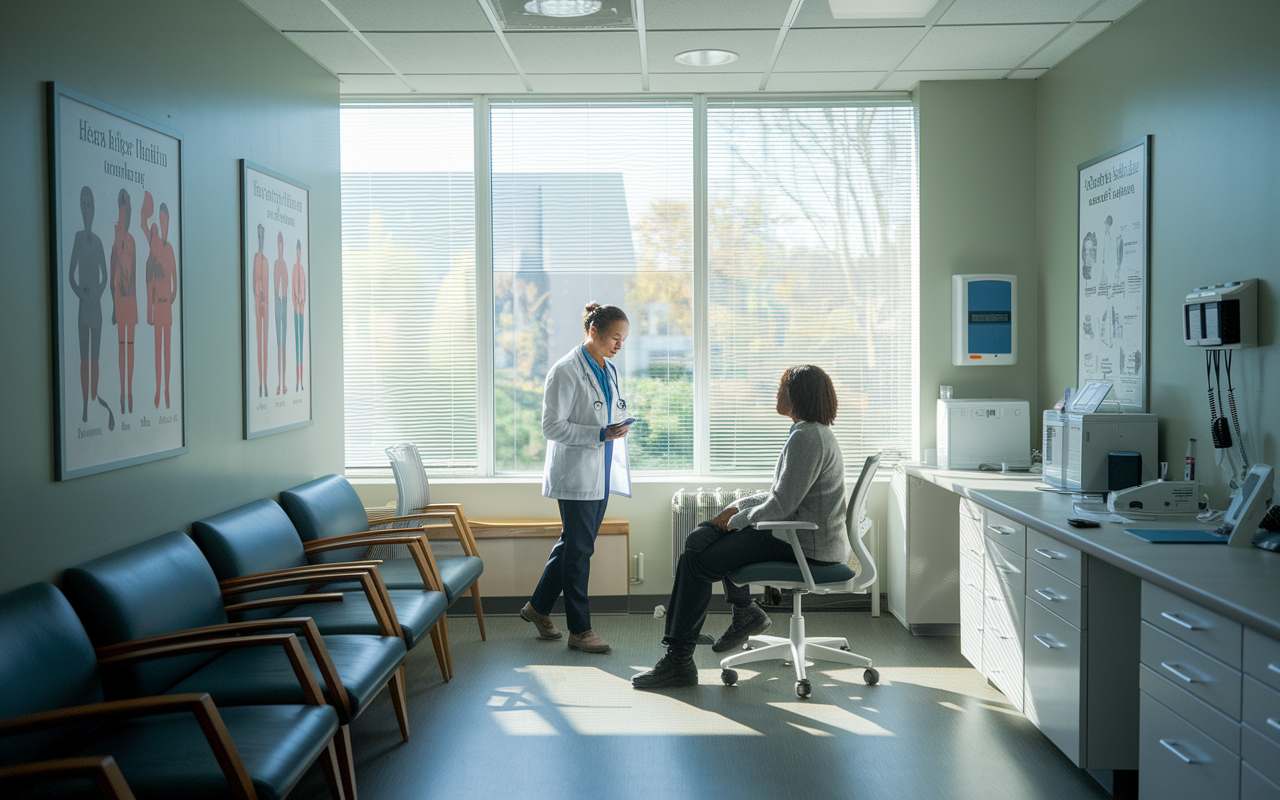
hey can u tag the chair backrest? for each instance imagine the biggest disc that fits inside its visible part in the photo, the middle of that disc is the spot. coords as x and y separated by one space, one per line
857 510
325 507
46 662
256 537
412 489
157 586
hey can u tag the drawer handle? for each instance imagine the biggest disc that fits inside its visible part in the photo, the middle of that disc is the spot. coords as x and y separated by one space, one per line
1180 674
1047 640
1005 569
1050 595
1274 668
1047 553
1273 722
1004 529
975 552
1173 617
1172 747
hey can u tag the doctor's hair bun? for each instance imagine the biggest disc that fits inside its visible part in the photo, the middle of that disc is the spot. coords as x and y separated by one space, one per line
601 317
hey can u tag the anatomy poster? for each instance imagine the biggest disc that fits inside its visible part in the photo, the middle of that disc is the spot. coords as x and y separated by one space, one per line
1112 267
277 302
117 274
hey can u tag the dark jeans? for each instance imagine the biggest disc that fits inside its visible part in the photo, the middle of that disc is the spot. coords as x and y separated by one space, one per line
569 567
710 554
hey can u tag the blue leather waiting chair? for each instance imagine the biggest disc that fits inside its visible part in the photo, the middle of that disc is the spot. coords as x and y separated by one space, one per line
800 578
56 728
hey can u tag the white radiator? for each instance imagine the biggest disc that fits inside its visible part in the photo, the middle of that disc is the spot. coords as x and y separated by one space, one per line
690 508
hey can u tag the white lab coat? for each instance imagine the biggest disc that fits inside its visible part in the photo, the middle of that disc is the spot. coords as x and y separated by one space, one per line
571 421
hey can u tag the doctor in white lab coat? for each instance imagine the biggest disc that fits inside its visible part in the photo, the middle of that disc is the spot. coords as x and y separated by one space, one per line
585 420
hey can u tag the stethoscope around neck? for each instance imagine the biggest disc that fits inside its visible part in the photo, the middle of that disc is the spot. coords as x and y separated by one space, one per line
611 372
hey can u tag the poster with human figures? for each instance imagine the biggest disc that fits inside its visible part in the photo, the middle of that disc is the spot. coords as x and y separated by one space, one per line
116 214
1111 263
277 305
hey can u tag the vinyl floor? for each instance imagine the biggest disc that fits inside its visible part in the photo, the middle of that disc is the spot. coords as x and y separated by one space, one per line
526 718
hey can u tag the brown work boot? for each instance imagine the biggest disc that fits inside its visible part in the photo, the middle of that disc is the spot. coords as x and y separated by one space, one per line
588 642
546 630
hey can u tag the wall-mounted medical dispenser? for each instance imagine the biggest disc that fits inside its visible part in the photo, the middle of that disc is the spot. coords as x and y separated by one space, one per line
984 319
1225 315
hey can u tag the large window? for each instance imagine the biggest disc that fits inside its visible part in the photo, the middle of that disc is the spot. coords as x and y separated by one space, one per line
740 239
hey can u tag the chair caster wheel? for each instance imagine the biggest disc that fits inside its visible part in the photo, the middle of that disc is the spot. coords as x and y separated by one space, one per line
871 676
845 648
803 689
747 646
729 676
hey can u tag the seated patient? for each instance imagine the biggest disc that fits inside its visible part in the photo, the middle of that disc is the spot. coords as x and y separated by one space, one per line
808 485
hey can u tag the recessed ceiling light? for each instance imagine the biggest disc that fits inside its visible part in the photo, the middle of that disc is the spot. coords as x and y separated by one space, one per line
707 58
562 8
880 9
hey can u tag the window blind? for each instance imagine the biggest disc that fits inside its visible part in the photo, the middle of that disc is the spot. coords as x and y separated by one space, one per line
811 230
408 280
593 202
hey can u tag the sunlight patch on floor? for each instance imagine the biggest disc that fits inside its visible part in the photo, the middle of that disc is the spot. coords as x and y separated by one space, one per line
957 680
810 731
596 703
835 717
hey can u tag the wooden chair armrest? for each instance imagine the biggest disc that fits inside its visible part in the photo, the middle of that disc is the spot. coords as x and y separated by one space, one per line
198 703
370 582
318 570
457 520
287 600
102 770
419 551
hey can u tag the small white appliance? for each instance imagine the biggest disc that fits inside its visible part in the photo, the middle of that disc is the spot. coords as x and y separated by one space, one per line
1053 433
984 431
1155 498
1091 437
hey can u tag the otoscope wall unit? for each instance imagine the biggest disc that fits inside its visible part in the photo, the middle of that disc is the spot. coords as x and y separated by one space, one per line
1225 315
984 319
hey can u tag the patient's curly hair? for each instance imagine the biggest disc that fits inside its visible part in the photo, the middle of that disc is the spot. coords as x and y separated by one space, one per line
812 394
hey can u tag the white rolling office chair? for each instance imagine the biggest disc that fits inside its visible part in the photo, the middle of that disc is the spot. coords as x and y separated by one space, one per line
800 578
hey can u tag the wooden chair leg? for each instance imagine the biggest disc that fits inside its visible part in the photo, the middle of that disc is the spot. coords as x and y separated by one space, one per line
438 643
396 687
448 648
475 599
329 763
346 761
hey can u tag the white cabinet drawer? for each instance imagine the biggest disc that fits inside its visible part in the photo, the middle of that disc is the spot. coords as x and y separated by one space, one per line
1007 566
1002 664
1062 559
1053 665
971 538
1003 611
1260 753
970 509
1056 593
1262 709
1203 717
1199 627
971 626
1176 760
971 570
1262 658
1253 786
1012 535
1186 667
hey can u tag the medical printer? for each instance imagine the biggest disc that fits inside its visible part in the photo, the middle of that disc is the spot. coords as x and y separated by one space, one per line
1092 437
989 431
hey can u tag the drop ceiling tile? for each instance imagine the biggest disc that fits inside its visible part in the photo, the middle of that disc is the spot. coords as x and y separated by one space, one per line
413 15
1027 74
905 81
852 49
467 84
979 46
372 84
1112 10
997 12
672 15
601 83
817 14
753 49
290 15
577 51
706 82
340 52
443 53
1070 41
823 81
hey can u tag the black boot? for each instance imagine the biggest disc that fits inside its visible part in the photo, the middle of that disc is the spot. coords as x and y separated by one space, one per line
676 668
748 621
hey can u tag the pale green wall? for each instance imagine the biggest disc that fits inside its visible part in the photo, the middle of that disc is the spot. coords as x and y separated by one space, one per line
1204 79
977 214
236 89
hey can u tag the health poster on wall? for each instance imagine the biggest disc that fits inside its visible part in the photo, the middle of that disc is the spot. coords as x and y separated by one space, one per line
116 208
1113 240
276 276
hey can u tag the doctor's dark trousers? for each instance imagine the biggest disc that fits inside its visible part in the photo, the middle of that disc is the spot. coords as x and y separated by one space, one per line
568 568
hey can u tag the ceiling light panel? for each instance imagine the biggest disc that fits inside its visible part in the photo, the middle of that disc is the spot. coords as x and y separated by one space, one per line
1070 41
340 52
879 9
443 53
710 15
853 49
290 15
577 51
1007 12
521 15
978 46
817 14
413 15
753 49
706 58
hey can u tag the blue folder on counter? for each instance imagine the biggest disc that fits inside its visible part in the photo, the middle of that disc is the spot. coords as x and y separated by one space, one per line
1186 536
